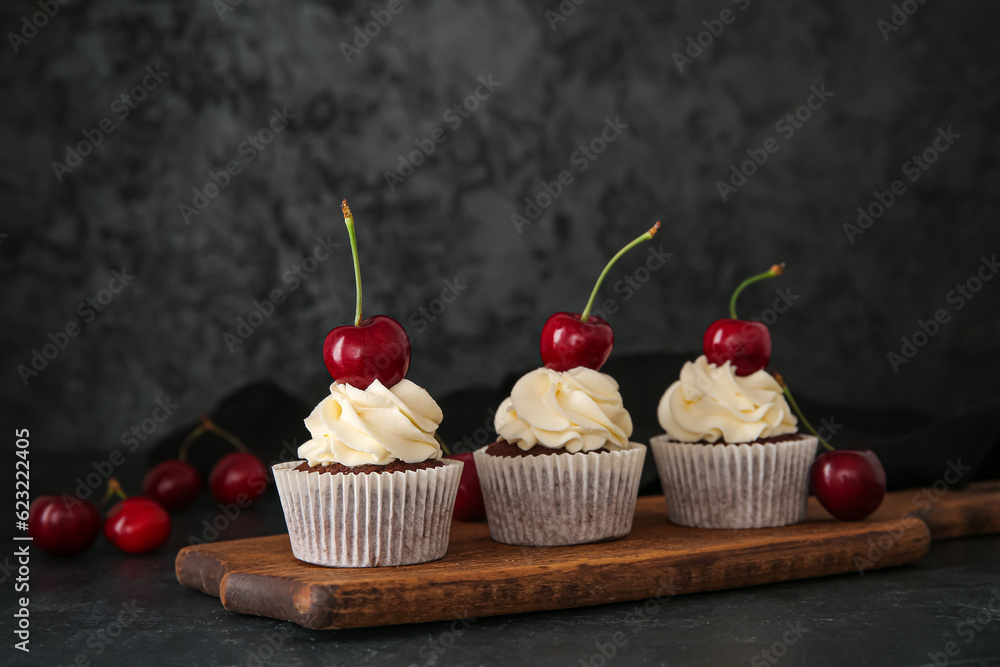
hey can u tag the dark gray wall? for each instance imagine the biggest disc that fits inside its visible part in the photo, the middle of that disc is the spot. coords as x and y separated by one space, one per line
163 335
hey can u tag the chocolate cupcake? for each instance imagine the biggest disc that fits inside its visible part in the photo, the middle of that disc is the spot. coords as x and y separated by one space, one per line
731 456
373 489
563 471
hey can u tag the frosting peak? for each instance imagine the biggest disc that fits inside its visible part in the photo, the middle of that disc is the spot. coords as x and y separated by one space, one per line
375 426
579 410
712 403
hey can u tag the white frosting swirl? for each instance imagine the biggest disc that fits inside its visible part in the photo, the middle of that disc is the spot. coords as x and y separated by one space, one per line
711 402
373 426
579 410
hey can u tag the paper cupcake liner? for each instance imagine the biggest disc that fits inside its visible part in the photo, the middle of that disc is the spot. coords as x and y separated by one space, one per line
368 520
748 485
560 499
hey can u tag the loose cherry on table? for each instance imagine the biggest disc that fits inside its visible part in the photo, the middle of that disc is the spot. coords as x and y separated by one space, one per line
375 348
239 477
744 344
135 525
849 484
173 483
63 525
570 340
469 504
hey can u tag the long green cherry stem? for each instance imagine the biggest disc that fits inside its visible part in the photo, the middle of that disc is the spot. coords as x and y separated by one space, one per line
775 270
798 411
349 221
650 233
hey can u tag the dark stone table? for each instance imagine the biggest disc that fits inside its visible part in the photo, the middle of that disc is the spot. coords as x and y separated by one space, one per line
106 608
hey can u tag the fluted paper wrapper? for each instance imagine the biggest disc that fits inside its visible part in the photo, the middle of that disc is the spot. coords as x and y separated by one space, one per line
368 520
746 485
560 499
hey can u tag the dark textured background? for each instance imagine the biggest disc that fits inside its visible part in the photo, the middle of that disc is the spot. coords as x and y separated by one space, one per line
163 335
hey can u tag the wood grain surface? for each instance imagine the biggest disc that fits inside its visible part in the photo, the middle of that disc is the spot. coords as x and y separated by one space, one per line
480 577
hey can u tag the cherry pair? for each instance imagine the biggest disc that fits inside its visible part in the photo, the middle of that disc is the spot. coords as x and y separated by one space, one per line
66 526
237 476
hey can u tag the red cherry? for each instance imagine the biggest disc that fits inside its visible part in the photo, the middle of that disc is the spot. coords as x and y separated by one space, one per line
173 483
63 525
377 349
571 340
469 505
238 477
568 342
137 525
372 349
745 345
849 484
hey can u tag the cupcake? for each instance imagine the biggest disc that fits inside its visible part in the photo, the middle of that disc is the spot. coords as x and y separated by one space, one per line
373 489
563 470
732 456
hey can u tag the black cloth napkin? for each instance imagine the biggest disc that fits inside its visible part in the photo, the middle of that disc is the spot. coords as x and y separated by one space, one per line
917 449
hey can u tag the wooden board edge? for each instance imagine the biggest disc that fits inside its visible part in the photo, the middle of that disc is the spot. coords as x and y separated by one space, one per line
309 605
199 570
973 510
349 607
962 517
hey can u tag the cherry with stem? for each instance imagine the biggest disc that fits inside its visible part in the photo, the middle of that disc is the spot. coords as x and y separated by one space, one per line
571 340
849 484
746 345
239 476
175 483
376 348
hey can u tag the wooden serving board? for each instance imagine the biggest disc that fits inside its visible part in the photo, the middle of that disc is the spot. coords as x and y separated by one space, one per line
480 577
